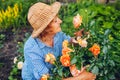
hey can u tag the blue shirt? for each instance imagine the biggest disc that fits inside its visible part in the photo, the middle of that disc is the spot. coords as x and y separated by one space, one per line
34 53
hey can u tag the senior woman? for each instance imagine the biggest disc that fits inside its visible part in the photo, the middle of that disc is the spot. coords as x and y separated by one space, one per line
46 37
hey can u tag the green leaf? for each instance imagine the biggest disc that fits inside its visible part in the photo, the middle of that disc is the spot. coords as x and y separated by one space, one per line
74 60
106 71
95 70
107 32
117 26
105 50
15 70
55 69
92 23
112 63
112 77
10 78
68 19
100 19
84 14
100 65
60 72
107 24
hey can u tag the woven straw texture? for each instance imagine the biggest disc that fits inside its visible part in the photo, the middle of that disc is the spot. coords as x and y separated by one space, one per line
40 15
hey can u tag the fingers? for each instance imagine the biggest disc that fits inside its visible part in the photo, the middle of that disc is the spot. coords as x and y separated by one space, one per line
84 68
94 78
73 40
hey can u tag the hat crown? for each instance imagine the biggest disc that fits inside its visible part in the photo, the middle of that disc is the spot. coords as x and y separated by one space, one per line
38 11
40 15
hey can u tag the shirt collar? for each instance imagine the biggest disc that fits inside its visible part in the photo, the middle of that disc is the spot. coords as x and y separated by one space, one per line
42 45
56 38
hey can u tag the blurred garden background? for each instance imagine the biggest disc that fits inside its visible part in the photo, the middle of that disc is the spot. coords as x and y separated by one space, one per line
14 30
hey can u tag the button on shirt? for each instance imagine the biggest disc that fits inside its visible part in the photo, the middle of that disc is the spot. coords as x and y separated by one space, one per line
34 53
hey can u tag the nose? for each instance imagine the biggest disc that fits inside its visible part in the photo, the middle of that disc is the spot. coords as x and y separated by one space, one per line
59 20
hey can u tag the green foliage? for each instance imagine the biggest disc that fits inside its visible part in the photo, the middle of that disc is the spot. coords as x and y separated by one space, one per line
9 16
2 38
100 18
15 73
1 64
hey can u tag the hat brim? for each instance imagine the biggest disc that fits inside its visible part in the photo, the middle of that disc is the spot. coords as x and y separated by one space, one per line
54 11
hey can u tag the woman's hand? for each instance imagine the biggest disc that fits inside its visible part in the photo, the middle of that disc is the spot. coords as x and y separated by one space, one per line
84 75
73 40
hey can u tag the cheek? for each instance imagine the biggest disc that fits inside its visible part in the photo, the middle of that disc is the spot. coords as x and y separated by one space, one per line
55 27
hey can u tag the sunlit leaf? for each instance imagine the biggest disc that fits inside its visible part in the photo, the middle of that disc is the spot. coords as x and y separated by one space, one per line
105 49
74 60
95 70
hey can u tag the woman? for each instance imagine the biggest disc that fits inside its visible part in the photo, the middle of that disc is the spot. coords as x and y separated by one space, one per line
47 37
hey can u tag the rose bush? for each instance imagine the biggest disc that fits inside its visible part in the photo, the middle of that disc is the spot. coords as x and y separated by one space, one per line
92 50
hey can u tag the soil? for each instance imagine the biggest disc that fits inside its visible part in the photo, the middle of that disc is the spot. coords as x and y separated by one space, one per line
9 51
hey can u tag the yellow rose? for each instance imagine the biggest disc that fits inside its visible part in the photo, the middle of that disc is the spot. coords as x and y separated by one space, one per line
44 77
82 42
47 58
50 58
65 43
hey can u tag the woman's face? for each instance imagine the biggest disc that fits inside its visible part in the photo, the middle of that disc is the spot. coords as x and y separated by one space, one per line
54 25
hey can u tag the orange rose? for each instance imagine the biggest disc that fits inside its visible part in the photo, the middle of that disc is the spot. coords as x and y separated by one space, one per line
65 60
44 77
95 49
66 50
50 58
77 20
74 71
65 43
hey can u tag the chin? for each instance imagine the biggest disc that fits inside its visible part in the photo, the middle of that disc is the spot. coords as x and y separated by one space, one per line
58 31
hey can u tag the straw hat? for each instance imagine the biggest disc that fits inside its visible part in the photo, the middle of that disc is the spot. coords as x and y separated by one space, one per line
40 15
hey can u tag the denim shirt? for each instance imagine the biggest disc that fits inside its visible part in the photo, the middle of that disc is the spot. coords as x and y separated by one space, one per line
34 53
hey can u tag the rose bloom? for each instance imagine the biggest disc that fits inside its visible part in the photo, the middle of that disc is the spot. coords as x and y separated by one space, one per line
20 65
95 49
66 50
65 60
65 43
82 42
50 58
15 60
77 20
44 77
74 71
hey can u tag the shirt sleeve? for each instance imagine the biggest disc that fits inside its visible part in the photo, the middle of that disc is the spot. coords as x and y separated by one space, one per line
66 37
39 67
